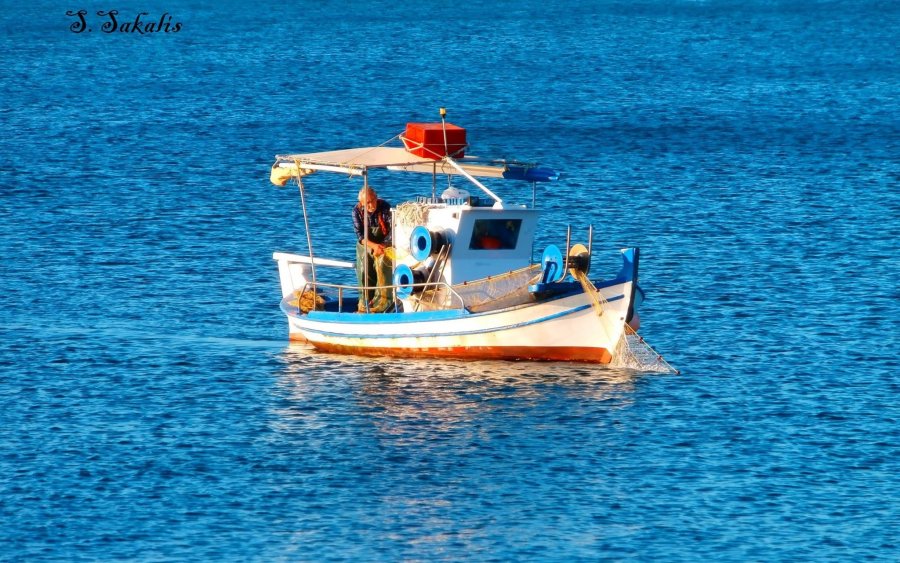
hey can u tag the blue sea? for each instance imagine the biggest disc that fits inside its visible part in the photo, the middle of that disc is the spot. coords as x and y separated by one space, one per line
152 408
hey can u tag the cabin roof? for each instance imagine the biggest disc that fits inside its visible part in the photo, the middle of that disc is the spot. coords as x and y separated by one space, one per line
356 161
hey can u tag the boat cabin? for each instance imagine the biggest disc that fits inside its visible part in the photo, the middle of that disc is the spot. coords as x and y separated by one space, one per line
480 241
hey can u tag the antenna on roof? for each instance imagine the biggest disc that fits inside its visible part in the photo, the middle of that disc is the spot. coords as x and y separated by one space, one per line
444 128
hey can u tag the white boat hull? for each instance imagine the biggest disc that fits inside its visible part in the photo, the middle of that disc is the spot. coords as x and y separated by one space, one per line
569 328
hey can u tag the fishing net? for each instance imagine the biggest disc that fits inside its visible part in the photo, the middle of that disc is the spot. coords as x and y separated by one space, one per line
307 300
407 216
410 214
633 352
498 292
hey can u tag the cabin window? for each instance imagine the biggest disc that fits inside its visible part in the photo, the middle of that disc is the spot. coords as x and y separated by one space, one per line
495 234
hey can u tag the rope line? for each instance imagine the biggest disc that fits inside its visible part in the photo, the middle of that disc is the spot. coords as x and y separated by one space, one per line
638 355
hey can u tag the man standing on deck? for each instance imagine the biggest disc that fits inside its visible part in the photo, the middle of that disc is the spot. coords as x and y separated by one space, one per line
371 250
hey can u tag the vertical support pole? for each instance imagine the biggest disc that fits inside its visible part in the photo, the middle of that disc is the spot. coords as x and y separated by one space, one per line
312 261
365 264
434 182
533 205
446 145
590 245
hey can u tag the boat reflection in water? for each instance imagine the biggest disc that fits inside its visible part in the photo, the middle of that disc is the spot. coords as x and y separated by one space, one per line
444 455
422 398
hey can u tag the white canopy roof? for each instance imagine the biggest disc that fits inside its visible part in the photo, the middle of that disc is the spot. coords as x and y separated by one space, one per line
364 157
355 161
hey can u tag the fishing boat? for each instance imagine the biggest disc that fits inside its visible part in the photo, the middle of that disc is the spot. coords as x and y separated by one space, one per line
465 281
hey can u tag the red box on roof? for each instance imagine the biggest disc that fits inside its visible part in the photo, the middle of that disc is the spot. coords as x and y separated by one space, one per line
427 140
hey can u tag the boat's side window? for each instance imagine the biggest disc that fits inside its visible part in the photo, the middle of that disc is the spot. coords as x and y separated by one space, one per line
495 234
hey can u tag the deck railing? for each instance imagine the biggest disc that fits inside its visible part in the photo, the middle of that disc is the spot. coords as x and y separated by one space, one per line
425 296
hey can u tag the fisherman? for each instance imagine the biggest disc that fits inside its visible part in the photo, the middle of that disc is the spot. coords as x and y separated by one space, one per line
373 251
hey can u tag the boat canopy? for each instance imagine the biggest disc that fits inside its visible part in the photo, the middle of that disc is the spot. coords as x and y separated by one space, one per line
356 161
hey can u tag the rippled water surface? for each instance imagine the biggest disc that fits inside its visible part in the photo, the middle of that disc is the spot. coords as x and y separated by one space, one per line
153 409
